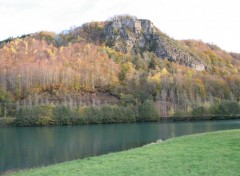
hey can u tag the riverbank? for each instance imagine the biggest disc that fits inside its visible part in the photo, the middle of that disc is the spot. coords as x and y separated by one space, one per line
26 122
215 153
147 111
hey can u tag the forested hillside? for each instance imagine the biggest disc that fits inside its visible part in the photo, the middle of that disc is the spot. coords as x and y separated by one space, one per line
120 70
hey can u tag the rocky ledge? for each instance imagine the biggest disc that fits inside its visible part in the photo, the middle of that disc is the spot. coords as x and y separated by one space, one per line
132 35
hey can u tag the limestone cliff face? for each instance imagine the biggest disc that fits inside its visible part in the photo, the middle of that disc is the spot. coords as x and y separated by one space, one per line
131 35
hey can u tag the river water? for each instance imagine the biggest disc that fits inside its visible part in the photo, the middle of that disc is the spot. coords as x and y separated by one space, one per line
40 146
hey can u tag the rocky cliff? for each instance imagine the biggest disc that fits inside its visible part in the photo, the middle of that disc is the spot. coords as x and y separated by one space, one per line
131 35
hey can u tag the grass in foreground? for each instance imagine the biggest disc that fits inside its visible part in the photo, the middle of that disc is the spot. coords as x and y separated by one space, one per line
215 154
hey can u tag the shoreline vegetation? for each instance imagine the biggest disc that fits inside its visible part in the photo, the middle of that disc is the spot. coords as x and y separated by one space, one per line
52 115
187 155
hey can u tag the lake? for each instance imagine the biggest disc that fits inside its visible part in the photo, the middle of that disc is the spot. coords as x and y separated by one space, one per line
40 146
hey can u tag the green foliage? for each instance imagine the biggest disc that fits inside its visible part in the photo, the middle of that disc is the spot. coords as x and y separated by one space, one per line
36 116
147 111
92 115
154 62
8 40
108 114
200 111
226 108
144 96
1 112
127 99
179 113
140 63
7 122
5 97
5 102
63 115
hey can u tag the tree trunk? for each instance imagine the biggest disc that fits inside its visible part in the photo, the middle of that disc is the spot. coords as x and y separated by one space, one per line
5 111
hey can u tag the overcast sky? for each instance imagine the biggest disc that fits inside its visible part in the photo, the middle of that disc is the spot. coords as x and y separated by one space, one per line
212 21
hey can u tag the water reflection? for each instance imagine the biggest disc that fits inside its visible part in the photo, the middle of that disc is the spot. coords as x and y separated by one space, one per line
37 146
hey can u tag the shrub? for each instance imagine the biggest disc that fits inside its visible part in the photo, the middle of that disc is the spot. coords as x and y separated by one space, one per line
226 108
200 111
36 115
114 114
107 114
179 113
92 115
1 112
6 122
147 111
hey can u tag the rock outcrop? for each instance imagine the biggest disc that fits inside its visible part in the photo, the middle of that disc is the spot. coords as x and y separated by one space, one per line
131 35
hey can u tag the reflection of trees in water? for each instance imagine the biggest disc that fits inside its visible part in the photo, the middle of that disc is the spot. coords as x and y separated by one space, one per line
32 147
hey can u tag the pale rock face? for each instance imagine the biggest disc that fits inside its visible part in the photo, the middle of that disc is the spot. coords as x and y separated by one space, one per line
130 35
147 26
141 42
200 67
116 25
138 26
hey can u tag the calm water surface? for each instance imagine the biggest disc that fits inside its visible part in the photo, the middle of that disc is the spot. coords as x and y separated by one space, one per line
37 146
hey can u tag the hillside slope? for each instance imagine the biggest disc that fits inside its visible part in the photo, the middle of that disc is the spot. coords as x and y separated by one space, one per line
121 62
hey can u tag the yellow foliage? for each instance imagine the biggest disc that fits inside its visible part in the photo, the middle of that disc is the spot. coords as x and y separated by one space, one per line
171 112
88 46
128 66
189 73
164 71
155 78
50 52
26 45
61 49
12 50
115 80
235 71
189 109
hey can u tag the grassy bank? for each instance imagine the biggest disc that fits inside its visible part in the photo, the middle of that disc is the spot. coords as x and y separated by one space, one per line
214 153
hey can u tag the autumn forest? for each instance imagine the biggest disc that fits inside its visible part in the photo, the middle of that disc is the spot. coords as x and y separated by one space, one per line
84 75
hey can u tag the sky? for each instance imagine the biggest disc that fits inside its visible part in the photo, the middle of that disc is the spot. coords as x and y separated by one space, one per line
213 21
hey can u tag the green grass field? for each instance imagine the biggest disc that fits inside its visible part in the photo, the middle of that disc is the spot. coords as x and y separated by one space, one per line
212 154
